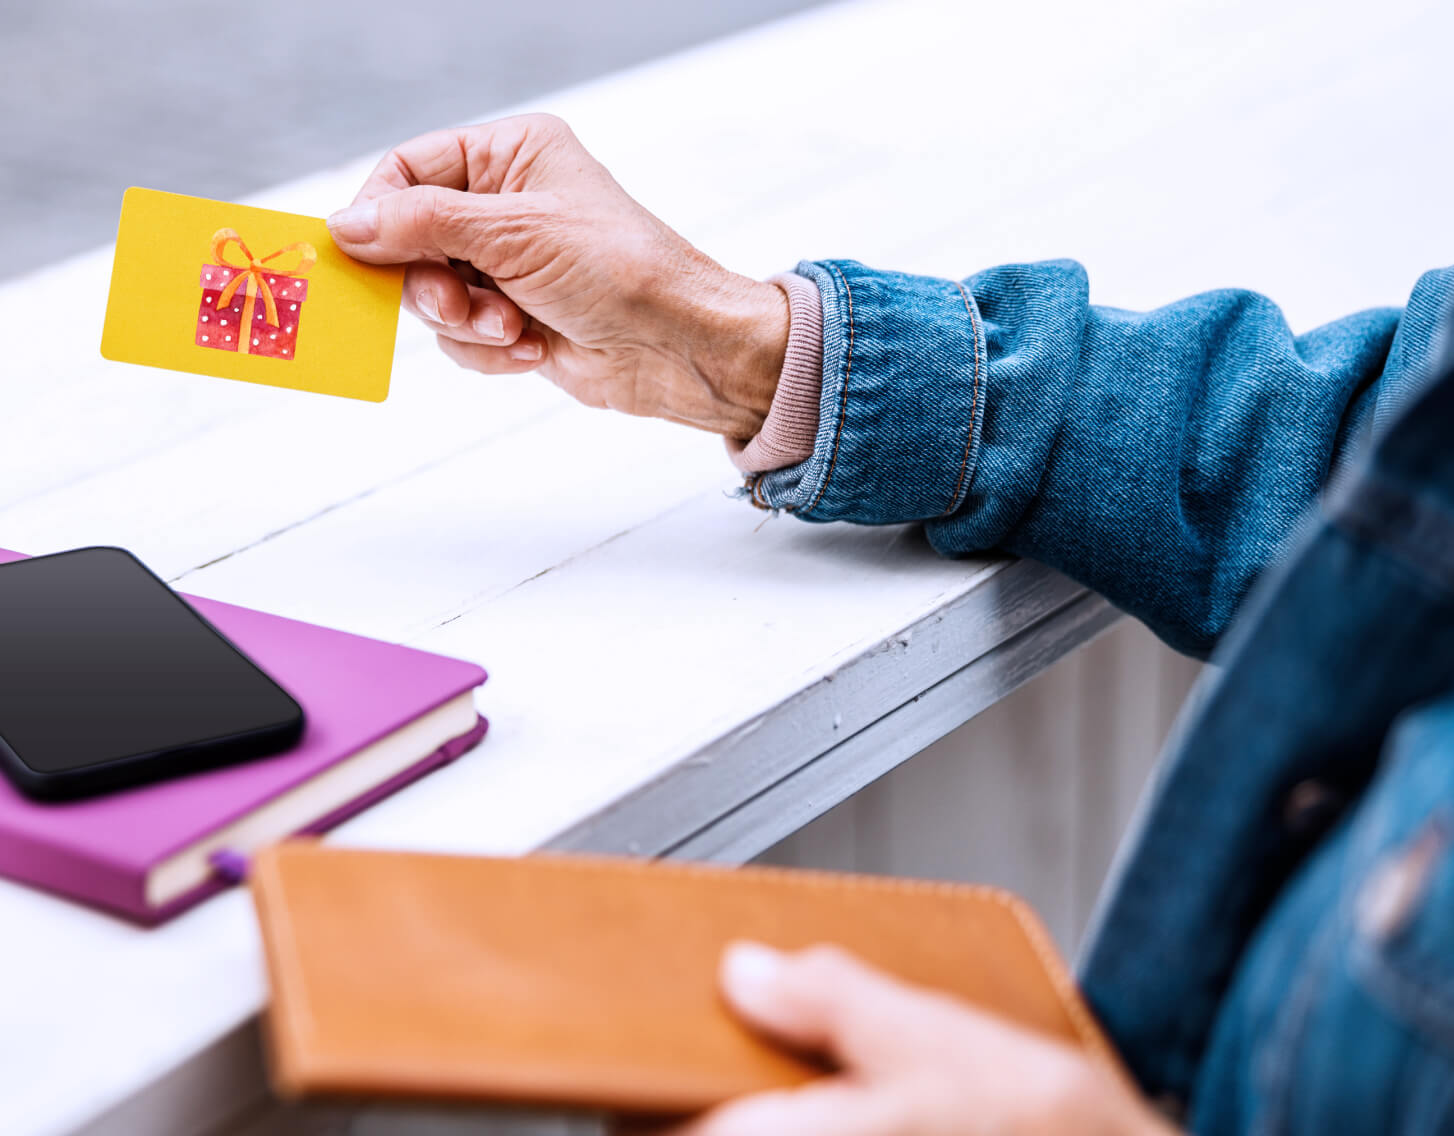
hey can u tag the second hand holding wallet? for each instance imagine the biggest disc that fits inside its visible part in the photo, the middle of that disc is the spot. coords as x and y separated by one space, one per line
591 984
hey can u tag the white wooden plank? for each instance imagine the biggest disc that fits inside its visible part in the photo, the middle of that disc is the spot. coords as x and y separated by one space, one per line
231 1090
1033 794
1285 149
1038 760
595 706
1000 626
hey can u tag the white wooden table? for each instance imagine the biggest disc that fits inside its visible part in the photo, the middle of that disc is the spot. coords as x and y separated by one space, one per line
671 673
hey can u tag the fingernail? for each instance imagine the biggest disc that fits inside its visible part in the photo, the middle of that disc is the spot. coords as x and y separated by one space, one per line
357 224
750 971
491 325
526 351
428 304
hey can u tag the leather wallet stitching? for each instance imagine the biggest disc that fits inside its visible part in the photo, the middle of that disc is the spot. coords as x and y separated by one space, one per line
1060 980
1061 983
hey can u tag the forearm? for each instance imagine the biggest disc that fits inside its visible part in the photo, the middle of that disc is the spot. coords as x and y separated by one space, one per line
1160 457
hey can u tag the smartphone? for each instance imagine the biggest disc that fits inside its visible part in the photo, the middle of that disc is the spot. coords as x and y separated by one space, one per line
108 679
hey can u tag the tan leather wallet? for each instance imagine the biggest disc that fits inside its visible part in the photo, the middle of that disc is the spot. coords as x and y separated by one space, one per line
590 983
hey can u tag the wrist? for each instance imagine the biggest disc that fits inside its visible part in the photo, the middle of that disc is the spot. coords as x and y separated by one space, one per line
753 326
733 351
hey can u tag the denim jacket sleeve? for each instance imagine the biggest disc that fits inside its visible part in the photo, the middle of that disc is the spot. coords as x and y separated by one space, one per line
1158 457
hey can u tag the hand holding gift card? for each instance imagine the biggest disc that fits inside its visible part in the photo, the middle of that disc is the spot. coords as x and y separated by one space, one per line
249 321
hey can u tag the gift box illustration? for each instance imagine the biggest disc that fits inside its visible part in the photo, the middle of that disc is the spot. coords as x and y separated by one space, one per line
253 306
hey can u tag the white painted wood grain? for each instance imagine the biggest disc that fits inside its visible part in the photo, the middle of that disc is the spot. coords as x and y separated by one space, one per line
631 614
1033 794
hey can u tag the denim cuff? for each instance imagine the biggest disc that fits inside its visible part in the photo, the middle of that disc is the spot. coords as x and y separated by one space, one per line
904 387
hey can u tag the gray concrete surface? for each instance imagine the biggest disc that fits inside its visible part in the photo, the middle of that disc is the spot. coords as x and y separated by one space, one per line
219 100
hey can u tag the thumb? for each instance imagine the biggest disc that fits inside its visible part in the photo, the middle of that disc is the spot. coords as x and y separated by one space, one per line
822 1000
425 221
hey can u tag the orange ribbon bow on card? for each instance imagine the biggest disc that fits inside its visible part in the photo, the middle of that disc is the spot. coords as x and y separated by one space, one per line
253 271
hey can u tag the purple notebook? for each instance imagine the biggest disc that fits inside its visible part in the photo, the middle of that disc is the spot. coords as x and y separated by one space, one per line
378 717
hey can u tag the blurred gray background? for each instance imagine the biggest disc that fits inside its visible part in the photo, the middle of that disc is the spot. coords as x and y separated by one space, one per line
219 100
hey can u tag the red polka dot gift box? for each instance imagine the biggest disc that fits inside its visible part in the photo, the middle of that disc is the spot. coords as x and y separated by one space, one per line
251 305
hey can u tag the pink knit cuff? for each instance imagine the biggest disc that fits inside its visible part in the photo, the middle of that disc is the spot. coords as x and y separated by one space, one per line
787 435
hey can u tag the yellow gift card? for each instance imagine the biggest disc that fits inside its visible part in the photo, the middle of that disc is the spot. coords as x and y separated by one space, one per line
250 294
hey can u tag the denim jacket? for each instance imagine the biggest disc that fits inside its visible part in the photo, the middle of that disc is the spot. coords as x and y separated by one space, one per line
1276 950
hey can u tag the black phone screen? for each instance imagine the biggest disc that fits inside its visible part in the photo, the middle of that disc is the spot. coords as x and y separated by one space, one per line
108 678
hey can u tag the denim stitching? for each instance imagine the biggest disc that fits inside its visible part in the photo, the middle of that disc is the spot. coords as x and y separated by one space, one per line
753 490
1277 1054
973 404
1406 985
843 405
1406 990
